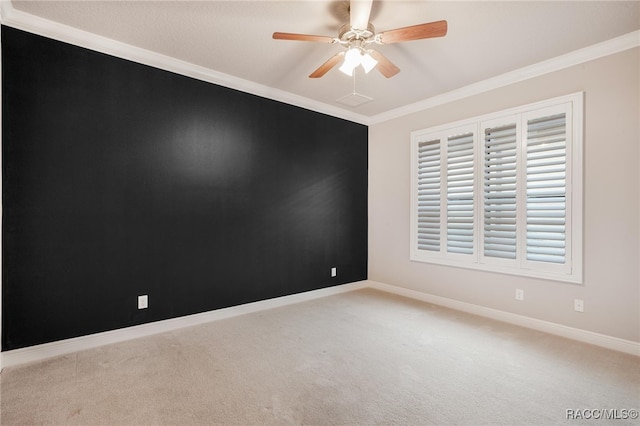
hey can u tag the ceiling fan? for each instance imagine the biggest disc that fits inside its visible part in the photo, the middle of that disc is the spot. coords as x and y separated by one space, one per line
357 37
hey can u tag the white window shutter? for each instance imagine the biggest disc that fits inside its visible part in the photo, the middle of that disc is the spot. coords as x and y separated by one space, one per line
502 192
428 235
499 191
460 193
546 175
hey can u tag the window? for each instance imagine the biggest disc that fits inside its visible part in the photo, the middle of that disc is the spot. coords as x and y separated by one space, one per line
502 192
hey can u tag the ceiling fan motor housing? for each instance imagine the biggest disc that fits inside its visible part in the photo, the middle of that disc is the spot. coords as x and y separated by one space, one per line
357 39
347 34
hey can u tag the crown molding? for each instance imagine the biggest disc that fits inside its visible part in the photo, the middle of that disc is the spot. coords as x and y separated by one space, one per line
590 53
54 30
27 22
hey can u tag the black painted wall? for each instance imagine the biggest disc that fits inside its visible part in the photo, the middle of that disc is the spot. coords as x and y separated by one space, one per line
120 179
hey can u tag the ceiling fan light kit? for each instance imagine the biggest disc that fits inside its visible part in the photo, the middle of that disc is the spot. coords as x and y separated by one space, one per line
356 56
358 34
367 62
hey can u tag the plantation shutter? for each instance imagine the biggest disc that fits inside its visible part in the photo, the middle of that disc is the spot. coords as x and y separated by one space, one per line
499 186
428 237
460 192
502 192
546 210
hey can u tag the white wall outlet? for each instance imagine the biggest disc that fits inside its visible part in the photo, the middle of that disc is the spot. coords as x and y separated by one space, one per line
143 301
519 294
334 271
578 305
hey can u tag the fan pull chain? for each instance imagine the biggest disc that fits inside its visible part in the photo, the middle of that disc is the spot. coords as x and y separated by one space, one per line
354 82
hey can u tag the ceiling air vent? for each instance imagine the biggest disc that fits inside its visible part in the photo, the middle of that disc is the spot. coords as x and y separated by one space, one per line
354 99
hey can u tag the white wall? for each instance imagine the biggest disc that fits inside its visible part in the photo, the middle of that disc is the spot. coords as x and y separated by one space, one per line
611 287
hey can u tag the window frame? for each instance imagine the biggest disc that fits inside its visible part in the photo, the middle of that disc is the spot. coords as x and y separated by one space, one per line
571 271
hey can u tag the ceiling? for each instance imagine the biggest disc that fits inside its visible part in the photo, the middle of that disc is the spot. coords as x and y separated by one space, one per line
484 40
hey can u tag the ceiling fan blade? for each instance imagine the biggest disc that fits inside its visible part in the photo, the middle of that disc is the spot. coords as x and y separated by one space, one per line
385 66
414 32
302 37
359 11
324 68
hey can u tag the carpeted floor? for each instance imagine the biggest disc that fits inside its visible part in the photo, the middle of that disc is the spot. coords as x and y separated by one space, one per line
358 358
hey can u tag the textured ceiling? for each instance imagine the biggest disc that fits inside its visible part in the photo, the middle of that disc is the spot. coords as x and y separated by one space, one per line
485 39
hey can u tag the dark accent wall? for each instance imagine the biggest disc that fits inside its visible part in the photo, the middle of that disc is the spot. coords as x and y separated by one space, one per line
120 179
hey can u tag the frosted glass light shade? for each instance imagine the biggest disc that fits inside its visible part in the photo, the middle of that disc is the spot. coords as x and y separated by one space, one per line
368 63
352 59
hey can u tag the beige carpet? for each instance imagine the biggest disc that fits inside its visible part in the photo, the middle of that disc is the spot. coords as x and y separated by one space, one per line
359 358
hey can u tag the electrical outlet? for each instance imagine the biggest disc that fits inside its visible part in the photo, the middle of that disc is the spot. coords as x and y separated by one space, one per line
519 294
578 305
334 271
143 301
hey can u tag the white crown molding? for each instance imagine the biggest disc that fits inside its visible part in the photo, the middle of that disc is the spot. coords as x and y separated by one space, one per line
602 340
27 22
54 30
20 20
590 53
76 344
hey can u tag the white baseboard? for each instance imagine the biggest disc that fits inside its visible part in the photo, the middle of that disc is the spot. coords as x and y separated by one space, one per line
609 342
63 347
